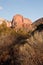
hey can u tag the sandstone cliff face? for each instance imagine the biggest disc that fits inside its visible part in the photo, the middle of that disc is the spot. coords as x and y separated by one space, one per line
20 22
17 21
1 20
27 24
8 24
21 50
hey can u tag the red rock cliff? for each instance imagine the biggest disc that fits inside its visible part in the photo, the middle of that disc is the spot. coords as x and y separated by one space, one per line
19 22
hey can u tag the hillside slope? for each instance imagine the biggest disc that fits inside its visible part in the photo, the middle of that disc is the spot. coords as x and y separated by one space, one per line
20 48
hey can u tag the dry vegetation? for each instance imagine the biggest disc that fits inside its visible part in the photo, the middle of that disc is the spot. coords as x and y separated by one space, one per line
21 48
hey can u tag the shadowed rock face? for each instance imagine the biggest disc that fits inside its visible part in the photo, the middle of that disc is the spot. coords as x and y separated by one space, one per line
23 51
37 23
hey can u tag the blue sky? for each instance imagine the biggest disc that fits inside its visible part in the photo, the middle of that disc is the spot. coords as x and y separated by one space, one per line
32 9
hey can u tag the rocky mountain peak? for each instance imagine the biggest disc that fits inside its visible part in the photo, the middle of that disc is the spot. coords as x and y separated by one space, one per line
37 23
19 22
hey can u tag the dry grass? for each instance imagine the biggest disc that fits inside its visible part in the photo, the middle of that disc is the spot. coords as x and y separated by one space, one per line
16 48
